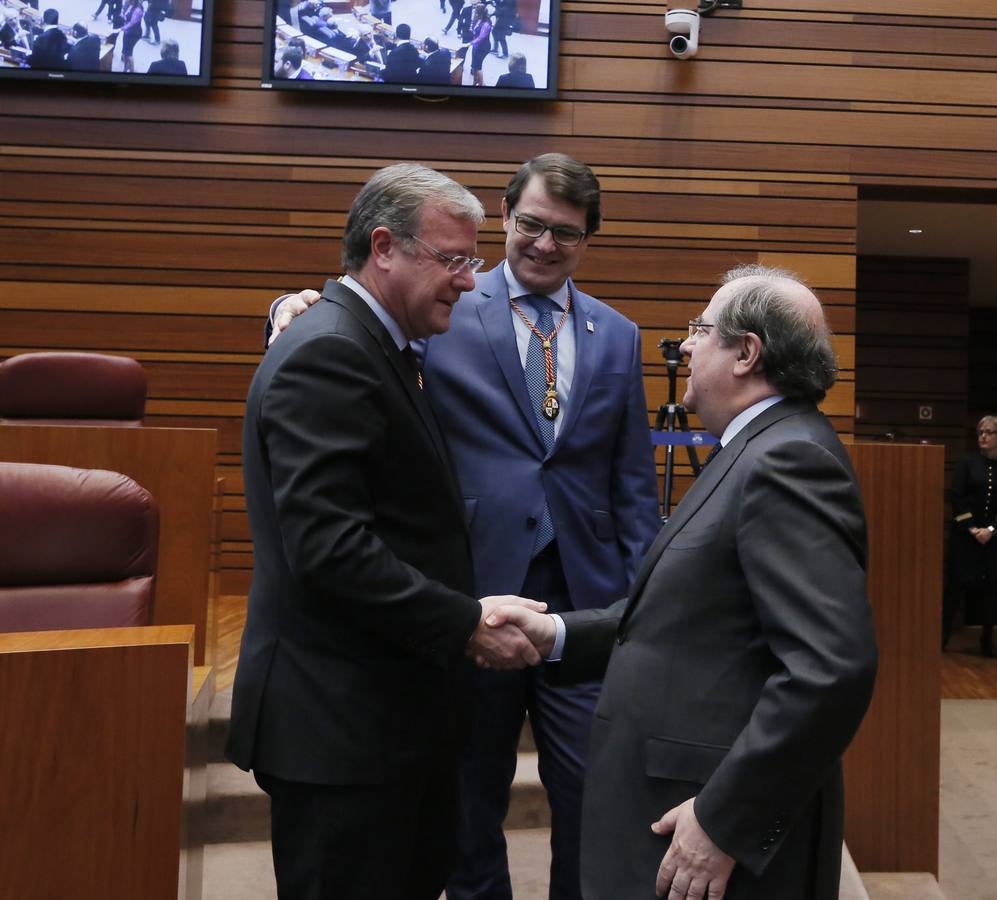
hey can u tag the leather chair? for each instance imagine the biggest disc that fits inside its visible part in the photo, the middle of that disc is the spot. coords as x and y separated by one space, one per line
78 549
72 389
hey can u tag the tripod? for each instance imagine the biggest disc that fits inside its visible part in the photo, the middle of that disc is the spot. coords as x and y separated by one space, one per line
667 415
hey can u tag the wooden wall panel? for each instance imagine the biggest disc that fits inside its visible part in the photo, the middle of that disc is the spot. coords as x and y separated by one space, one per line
912 350
159 223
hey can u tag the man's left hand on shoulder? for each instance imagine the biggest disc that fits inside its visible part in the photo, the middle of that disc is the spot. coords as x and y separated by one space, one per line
694 867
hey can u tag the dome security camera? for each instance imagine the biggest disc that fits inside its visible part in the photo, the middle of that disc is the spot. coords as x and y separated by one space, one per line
683 24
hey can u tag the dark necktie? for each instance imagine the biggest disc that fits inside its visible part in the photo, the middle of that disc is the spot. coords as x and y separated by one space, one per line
713 452
408 354
536 384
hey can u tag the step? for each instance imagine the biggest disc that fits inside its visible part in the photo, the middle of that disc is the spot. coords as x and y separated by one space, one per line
221 709
902 886
245 870
237 810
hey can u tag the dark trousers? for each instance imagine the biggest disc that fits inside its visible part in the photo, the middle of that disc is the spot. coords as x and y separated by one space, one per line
151 20
364 842
561 719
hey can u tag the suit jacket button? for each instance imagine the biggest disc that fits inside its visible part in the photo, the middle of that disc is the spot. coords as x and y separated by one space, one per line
620 638
766 844
531 522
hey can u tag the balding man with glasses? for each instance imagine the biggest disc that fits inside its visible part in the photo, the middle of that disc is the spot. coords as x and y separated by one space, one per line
538 389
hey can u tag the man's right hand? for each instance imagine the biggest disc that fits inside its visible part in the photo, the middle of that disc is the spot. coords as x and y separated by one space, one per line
539 628
292 305
503 647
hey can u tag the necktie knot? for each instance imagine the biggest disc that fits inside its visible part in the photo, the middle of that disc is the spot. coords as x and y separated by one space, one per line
543 306
409 355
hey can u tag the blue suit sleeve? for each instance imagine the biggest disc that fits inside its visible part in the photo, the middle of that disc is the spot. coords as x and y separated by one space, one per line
635 485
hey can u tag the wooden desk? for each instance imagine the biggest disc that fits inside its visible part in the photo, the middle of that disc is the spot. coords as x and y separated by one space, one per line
177 466
892 766
93 737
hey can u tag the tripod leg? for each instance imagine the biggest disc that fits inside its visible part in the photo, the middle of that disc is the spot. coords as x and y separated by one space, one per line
693 456
666 499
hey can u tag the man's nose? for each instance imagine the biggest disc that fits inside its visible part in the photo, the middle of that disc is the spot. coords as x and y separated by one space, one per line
546 242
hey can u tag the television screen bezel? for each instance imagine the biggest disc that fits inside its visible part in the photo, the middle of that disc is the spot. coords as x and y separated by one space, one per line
203 79
331 86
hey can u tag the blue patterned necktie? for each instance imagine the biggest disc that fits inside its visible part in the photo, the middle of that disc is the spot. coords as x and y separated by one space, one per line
536 384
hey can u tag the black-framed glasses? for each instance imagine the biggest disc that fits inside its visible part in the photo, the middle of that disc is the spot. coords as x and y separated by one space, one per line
455 264
564 235
700 329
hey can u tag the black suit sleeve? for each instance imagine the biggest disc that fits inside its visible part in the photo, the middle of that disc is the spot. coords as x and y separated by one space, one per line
326 417
589 640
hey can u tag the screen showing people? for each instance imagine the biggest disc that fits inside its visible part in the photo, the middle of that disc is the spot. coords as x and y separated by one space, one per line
448 43
153 37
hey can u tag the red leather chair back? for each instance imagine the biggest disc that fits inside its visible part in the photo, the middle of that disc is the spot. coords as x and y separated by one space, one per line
72 388
78 549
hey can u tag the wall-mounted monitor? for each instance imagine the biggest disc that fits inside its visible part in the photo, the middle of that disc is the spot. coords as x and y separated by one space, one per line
502 48
132 41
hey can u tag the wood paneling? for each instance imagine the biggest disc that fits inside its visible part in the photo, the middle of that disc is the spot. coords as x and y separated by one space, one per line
912 319
159 224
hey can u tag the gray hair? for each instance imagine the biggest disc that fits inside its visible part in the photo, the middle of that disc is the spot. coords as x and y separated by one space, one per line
988 420
394 198
797 356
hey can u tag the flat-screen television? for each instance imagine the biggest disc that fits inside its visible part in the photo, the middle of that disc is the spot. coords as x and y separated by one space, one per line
133 41
498 48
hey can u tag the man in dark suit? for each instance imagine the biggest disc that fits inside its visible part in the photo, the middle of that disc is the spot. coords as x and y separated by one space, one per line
435 68
290 65
50 47
84 53
559 485
170 62
351 688
403 61
517 76
744 659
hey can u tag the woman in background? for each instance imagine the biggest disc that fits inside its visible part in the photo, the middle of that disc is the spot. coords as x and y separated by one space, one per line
480 42
972 563
131 31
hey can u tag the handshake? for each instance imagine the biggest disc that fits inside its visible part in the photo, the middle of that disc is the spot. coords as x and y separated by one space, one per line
513 633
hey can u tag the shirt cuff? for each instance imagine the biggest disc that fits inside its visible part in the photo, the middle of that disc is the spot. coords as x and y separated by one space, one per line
561 631
275 304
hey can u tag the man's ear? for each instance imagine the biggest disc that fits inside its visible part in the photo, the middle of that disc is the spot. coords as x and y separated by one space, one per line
382 246
505 215
749 355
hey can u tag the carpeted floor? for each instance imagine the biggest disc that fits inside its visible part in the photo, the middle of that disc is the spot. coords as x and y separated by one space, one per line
968 826
968 800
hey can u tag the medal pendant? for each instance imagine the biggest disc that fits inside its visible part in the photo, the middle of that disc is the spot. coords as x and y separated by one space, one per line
550 407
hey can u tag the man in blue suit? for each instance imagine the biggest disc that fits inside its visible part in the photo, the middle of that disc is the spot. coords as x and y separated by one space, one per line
552 450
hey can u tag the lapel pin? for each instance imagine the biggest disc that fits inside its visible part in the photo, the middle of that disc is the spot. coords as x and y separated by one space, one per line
589 327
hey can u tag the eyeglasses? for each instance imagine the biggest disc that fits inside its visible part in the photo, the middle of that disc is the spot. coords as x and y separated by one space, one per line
564 235
455 264
700 329
988 432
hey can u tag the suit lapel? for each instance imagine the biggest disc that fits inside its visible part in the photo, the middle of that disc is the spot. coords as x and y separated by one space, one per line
702 488
343 296
496 320
585 352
